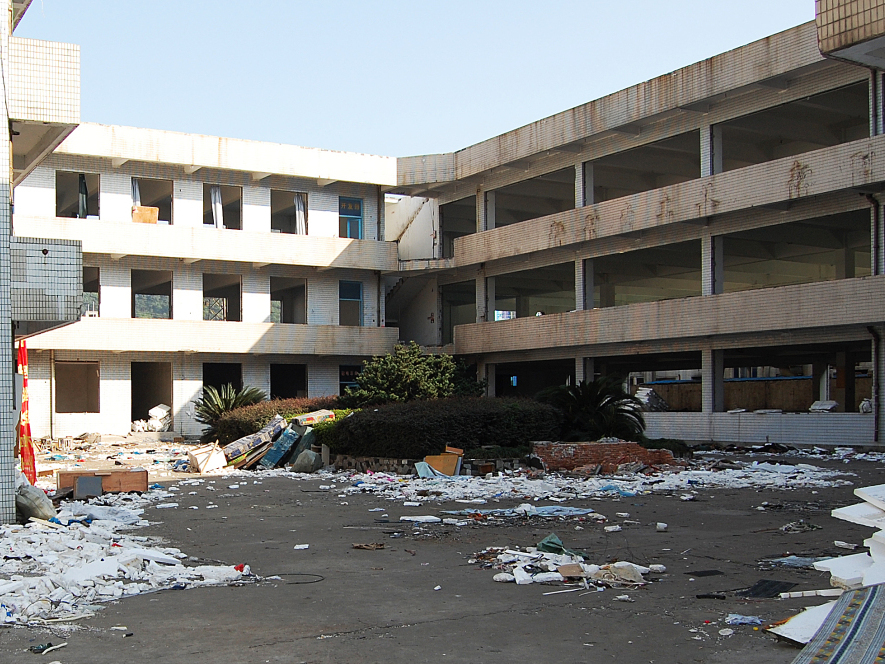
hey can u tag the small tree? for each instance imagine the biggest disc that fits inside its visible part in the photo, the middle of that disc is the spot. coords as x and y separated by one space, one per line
407 374
597 409
215 403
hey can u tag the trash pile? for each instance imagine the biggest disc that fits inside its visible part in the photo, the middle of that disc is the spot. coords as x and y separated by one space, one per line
62 569
559 488
550 562
273 446
160 419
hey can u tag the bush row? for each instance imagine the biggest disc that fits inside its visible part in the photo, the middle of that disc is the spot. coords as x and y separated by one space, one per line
249 419
415 429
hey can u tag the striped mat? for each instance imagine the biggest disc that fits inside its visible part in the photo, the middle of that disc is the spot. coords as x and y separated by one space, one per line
853 633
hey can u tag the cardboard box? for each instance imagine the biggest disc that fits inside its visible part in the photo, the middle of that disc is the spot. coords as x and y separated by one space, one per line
112 481
142 214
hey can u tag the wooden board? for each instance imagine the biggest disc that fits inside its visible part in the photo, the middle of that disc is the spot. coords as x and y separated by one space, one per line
447 464
112 481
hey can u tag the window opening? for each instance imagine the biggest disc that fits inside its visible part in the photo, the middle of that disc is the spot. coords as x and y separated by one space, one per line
76 195
350 303
350 218
222 297
91 290
77 387
151 201
151 294
288 212
223 206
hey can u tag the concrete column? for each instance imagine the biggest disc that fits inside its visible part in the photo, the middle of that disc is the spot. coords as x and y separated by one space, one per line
711 150
480 210
845 263
589 284
490 298
589 369
587 182
486 371
482 300
875 103
877 238
712 381
843 391
490 210
187 203
820 378
580 293
606 292
712 265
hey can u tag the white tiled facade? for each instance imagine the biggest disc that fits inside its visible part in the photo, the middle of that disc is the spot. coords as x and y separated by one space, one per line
188 249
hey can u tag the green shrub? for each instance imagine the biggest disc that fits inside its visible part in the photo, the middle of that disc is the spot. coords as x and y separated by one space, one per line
214 403
597 409
408 374
244 421
415 429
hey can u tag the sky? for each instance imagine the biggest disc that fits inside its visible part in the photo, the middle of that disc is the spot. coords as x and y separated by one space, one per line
387 77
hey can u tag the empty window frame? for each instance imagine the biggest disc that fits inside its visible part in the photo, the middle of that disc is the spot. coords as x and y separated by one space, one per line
151 294
223 206
288 299
347 375
91 291
151 385
288 212
222 299
218 374
350 218
77 387
288 381
151 200
350 303
76 195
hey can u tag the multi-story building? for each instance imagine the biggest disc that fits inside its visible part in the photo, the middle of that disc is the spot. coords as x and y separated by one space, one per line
206 261
720 226
722 222
40 285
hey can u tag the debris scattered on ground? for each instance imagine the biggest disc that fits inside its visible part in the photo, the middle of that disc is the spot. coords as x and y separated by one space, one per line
374 546
551 562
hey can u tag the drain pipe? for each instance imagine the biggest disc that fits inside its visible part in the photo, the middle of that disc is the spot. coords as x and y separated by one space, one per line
877 350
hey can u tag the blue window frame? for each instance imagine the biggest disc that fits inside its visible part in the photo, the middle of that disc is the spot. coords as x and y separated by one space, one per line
350 218
350 303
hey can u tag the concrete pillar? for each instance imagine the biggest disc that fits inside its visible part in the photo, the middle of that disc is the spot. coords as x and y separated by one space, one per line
490 298
480 210
482 300
877 237
606 292
589 283
485 370
490 210
711 150
877 125
712 265
820 379
845 263
843 391
580 294
712 381
587 182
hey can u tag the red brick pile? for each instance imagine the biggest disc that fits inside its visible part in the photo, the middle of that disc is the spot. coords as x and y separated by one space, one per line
584 456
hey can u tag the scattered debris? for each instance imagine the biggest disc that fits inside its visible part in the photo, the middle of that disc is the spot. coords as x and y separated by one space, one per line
765 589
374 546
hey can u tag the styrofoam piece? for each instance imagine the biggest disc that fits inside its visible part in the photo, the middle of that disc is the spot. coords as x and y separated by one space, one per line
875 495
876 545
522 577
159 411
863 514
846 571
874 574
823 592
802 627
421 519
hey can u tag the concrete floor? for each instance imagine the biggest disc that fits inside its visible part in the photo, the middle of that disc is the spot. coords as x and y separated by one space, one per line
381 606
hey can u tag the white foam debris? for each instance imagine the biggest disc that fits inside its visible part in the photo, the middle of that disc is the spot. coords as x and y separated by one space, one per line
63 571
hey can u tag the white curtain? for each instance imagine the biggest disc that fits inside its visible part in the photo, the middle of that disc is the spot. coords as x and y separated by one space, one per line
217 208
136 193
301 214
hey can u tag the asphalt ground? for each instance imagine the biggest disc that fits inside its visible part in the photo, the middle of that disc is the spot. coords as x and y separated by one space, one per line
334 603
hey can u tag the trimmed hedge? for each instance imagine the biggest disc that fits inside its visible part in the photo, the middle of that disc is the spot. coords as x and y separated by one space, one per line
249 419
415 429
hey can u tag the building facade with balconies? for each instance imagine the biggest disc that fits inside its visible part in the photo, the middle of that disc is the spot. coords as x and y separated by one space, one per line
206 261
715 233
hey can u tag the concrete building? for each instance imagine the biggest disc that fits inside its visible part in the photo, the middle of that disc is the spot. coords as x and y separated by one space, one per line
720 224
260 265
719 228
40 278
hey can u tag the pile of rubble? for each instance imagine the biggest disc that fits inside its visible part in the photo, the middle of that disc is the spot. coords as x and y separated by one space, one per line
64 568
550 562
159 419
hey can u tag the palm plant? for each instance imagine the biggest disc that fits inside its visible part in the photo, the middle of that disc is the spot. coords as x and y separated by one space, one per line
209 408
597 409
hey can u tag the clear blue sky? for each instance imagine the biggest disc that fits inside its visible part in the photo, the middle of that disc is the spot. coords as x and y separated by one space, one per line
386 77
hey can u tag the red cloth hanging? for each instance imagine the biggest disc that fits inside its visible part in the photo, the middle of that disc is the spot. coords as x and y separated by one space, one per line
25 443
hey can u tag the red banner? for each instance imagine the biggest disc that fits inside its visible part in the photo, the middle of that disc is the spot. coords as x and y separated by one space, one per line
25 444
